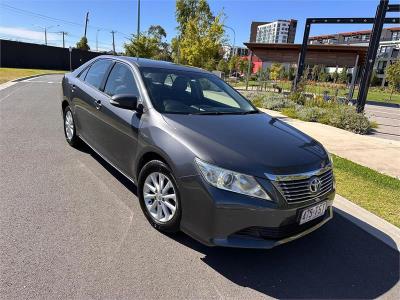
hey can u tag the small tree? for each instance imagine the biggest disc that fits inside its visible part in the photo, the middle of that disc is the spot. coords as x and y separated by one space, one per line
223 66
393 77
335 76
83 44
343 76
291 74
233 62
275 71
316 70
374 79
210 64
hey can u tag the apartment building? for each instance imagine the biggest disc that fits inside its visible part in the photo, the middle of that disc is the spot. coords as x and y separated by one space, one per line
279 31
388 51
231 51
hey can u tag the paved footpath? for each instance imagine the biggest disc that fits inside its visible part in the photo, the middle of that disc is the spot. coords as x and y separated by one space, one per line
382 155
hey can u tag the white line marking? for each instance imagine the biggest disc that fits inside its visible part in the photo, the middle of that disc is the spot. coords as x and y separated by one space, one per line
13 92
6 85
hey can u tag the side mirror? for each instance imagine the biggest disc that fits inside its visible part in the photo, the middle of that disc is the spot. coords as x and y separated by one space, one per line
125 101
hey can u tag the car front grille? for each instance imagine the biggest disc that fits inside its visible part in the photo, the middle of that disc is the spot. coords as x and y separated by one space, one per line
298 190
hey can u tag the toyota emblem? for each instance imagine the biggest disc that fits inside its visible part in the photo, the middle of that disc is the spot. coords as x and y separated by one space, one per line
315 185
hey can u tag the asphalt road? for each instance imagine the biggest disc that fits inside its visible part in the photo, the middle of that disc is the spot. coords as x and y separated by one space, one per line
71 227
388 119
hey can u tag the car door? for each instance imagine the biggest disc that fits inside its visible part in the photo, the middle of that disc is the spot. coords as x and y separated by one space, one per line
118 131
87 100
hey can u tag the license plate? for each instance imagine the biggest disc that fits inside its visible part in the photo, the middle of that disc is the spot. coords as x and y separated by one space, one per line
312 212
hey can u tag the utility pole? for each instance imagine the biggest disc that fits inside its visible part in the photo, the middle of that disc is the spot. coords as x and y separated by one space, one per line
86 22
138 18
45 36
63 34
113 32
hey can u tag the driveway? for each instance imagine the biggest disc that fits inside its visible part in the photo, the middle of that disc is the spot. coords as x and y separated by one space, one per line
71 227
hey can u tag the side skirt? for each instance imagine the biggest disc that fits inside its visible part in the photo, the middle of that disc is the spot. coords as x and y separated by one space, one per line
110 163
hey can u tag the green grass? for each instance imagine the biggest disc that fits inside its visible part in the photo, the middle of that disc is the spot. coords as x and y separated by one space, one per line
7 74
378 193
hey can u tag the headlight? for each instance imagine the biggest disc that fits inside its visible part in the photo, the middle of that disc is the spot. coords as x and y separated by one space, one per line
231 181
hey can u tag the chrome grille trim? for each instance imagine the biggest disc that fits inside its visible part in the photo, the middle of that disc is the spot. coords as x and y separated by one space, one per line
295 187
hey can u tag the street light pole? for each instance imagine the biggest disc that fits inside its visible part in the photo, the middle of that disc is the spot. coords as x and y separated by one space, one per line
138 18
113 41
233 46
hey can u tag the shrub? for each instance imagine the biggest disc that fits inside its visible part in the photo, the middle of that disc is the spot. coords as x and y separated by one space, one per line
346 117
310 114
270 101
315 110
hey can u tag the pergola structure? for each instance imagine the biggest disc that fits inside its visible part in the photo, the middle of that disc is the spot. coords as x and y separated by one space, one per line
327 55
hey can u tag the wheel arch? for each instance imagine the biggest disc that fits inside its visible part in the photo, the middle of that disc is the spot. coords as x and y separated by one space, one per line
149 156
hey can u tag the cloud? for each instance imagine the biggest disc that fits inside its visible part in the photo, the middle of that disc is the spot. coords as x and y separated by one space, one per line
23 33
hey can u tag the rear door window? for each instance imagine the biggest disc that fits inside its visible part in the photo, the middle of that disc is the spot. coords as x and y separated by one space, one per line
97 71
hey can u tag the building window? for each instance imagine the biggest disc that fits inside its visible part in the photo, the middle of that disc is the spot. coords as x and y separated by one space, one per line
396 35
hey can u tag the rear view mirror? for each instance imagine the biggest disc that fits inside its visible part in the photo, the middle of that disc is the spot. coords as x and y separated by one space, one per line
125 101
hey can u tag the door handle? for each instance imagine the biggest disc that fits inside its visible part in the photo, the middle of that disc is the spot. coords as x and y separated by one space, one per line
97 103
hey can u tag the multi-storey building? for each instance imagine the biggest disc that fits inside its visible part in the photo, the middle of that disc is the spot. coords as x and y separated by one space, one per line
279 31
388 51
229 51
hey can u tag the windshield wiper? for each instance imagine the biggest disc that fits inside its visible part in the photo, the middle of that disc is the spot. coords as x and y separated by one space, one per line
249 112
224 112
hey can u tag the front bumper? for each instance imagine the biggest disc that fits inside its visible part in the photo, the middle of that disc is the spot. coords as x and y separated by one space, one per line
221 218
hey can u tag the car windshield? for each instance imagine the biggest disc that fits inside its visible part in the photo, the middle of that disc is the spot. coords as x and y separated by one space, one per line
182 92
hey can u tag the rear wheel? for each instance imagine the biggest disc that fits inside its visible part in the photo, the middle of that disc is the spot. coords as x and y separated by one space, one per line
159 196
69 128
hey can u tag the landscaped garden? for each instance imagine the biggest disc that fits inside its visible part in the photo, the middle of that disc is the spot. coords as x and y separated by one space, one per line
297 106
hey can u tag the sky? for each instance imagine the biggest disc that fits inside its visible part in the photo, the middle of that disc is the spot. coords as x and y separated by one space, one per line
24 20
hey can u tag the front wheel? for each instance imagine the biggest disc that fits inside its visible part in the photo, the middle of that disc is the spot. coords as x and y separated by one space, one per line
159 196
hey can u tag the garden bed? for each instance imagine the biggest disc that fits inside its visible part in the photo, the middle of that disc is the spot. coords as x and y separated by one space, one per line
314 110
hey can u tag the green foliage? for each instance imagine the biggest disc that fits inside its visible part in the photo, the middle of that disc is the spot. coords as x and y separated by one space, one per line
149 44
316 70
223 66
343 76
83 44
200 34
316 110
292 73
335 76
393 76
243 65
210 64
298 95
275 71
233 62
375 81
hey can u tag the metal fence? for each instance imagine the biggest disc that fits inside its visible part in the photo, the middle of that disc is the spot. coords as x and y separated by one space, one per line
33 56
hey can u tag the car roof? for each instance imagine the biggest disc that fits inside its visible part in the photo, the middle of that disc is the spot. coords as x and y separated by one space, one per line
150 63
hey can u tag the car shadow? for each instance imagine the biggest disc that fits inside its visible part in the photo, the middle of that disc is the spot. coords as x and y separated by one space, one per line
339 260
121 178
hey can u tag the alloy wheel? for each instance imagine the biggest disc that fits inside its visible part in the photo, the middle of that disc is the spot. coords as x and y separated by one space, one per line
160 197
69 125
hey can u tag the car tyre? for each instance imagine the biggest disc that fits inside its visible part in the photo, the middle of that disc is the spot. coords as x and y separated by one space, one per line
160 202
70 128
